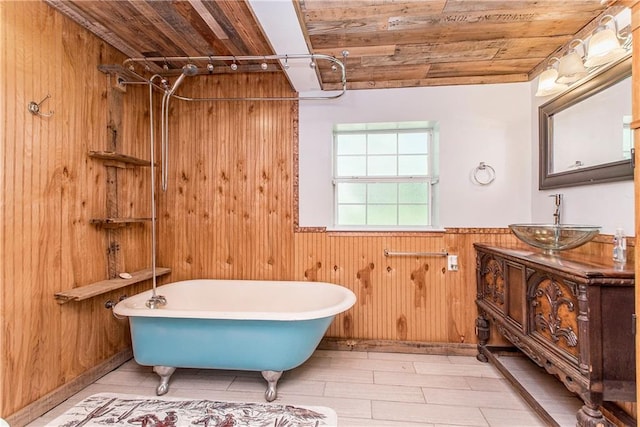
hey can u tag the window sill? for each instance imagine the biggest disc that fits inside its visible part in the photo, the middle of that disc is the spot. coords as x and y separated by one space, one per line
384 229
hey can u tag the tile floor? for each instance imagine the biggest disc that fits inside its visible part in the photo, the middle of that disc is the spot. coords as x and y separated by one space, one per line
364 388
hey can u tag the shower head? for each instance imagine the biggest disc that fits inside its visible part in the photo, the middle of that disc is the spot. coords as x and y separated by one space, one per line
187 70
190 70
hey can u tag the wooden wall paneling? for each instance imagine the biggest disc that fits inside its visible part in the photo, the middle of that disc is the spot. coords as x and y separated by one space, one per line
31 242
3 144
635 25
78 238
227 213
50 190
457 288
400 298
88 327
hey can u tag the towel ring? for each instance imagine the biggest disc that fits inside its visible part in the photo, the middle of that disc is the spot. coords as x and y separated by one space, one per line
484 174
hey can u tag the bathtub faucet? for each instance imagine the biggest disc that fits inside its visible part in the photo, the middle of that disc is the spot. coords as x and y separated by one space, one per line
558 202
156 301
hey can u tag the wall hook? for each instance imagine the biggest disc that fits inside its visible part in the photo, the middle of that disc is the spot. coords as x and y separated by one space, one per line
34 108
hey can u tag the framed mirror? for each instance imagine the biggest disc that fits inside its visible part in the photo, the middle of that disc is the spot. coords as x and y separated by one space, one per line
585 133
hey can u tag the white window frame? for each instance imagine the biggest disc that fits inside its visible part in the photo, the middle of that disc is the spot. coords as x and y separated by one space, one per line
431 180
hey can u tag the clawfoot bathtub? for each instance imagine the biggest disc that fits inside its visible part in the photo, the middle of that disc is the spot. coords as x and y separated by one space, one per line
267 326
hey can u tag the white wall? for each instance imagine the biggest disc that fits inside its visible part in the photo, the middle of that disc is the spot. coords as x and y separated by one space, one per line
479 123
608 205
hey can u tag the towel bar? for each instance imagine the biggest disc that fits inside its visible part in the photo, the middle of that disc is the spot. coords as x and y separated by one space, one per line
388 253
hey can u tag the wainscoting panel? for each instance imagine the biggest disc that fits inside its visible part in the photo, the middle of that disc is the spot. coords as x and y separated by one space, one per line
407 298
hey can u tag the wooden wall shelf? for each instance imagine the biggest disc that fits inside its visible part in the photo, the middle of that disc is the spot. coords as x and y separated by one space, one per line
118 160
104 286
116 222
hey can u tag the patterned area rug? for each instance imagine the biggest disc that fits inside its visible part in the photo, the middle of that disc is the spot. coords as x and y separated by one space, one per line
107 409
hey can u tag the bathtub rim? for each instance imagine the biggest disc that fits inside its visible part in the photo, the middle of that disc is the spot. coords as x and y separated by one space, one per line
123 308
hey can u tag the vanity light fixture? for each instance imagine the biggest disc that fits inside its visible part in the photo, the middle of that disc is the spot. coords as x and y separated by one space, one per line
548 81
604 45
570 67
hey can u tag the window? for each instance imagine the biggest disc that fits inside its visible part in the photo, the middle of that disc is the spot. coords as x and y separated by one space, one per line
384 175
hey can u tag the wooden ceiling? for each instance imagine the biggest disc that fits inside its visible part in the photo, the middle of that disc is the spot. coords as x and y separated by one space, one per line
390 43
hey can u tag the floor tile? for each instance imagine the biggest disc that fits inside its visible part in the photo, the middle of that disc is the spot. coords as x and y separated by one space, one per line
463 370
351 408
393 393
285 384
318 361
409 357
427 413
488 384
421 380
194 380
341 354
373 365
368 422
465 360
313 373
479 399
118 376
511 418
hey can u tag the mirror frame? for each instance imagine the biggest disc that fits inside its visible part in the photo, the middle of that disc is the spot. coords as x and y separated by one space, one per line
606 172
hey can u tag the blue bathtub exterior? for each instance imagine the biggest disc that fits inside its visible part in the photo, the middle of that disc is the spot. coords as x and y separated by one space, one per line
251 345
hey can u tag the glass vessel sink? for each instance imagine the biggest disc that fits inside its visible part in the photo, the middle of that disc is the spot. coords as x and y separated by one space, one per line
552 238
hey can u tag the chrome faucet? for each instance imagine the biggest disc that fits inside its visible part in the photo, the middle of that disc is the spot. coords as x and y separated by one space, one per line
156 301
558 202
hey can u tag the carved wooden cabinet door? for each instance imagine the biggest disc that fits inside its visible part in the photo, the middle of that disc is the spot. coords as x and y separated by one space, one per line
553 313
491 281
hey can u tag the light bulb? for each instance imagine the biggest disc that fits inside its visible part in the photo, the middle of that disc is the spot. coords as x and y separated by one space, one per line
571 68
547 83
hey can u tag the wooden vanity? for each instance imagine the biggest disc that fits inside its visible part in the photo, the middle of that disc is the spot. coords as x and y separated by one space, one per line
572 315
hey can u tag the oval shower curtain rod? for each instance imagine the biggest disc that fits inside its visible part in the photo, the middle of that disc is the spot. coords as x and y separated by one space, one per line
190 69
168 90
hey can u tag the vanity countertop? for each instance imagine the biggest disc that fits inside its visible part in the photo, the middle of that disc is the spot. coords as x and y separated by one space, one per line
574 264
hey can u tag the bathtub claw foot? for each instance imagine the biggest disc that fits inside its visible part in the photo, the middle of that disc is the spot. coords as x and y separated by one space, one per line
165 373
272 378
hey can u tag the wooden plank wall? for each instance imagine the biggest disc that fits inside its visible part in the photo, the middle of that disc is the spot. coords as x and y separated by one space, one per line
399 298
49 191
227 212
635 125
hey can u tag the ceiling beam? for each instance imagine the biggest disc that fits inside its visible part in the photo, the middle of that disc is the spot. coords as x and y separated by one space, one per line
281 27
